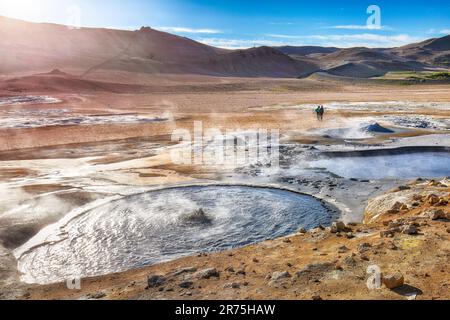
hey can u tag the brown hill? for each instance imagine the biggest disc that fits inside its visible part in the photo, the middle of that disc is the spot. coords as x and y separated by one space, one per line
49 46
306 50
57 81
435 52
366 63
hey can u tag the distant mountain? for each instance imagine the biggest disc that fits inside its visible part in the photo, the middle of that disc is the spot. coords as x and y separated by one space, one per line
435 52
306 50
259 62
33 48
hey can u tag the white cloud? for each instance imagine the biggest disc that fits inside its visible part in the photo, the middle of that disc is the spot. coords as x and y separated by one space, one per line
239 43
282 23
361 27
188 30
284 36
445 31
369 40
353 40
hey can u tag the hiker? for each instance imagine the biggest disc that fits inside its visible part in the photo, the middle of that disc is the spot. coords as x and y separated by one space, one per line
317 111
320 112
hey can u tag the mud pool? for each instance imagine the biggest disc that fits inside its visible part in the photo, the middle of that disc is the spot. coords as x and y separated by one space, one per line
158 226
385 166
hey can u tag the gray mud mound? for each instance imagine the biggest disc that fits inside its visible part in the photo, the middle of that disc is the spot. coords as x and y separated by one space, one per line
377 128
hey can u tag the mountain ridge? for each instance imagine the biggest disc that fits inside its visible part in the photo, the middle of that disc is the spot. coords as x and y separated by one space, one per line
46 46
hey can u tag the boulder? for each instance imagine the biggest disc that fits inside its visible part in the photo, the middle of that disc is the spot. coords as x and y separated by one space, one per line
392 281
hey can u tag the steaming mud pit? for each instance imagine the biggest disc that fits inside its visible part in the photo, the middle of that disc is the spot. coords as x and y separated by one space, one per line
163 225
388 166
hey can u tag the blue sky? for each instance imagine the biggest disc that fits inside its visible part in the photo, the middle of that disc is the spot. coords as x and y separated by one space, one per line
242 24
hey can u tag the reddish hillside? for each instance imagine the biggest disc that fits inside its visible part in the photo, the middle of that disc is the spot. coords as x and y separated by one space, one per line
48 46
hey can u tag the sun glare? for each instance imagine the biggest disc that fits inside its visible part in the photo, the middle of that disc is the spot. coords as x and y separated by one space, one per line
23 9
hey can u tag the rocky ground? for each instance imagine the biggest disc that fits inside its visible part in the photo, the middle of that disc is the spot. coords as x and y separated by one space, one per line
405 236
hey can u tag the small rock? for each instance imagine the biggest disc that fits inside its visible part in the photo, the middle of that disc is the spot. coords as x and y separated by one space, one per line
255 260
388 233
316 298
185 270
186 284
302 231
343 249
392 281
155 281
280 275
232 285
433 199
448 230
437 214
97 296
230 270
350 261
241 272
365 258
409 229
393 211
403 188
207 273
434 183
392 246
349 235
399 206
338 227
363 247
